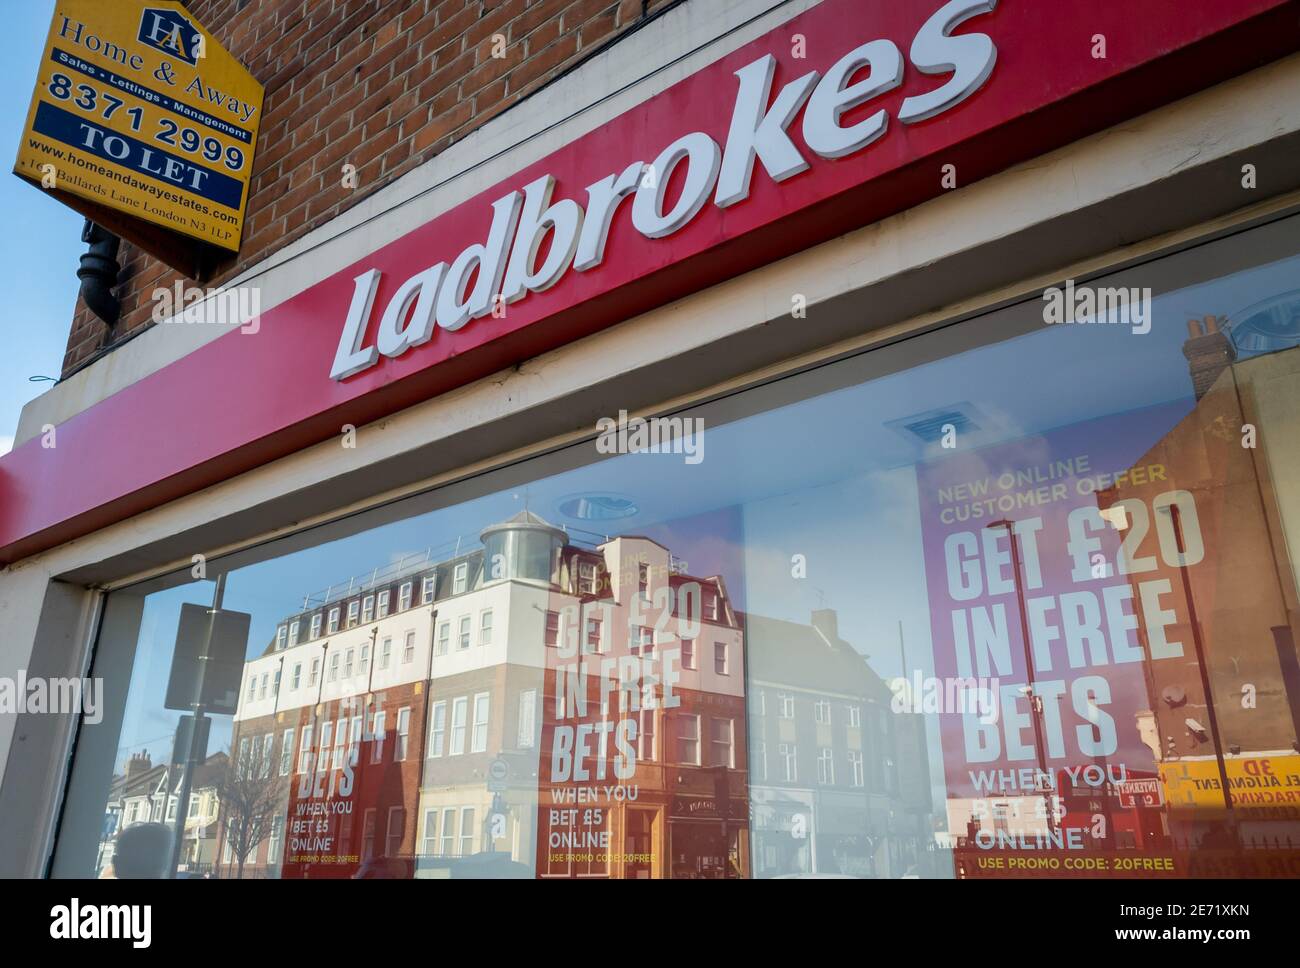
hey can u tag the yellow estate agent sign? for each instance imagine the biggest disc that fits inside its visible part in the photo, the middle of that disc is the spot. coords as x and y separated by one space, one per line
139 110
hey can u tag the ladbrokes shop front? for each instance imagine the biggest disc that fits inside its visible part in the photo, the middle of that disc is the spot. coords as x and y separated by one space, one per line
837 438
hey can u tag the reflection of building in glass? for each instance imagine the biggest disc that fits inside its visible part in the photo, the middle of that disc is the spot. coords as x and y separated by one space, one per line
839 783
531 706
145 793
1211 538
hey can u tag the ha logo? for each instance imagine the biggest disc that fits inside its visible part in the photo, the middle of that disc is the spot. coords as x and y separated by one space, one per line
169 31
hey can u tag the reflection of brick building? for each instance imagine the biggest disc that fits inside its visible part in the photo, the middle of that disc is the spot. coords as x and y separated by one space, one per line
412 715
1233 593
840 784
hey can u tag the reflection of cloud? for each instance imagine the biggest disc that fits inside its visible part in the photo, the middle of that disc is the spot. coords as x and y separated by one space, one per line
6 444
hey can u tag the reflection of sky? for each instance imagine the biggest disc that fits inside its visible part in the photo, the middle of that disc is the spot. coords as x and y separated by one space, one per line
830 477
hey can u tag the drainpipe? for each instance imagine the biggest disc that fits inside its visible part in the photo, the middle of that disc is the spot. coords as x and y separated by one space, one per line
99 272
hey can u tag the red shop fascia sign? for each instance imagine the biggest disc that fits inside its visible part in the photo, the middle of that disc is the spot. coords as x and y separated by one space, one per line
845 114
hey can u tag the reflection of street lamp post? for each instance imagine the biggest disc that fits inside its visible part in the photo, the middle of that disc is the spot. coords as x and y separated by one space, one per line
1175 517
1035 701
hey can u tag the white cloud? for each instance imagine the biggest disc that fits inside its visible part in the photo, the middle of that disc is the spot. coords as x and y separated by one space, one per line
6 444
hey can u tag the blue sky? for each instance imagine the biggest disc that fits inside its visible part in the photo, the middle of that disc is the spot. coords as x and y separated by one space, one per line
41 240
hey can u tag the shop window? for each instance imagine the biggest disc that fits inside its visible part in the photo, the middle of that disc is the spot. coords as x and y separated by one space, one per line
1107 461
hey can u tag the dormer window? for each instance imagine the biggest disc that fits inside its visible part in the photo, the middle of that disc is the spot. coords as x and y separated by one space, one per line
281 637
404 597
426 590
383 603
293 633
460 578
315 626
368 608
334 621
586 578
354 610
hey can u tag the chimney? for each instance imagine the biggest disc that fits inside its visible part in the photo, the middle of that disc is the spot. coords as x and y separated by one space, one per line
825 621
1209 352
138 764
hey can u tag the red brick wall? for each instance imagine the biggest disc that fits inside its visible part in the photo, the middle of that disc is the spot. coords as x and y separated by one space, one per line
384 85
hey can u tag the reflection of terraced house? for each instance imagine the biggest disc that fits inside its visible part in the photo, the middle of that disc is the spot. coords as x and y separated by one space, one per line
145 793
839 784
411 714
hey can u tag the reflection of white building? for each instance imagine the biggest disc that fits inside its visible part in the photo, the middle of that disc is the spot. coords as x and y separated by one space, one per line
441 671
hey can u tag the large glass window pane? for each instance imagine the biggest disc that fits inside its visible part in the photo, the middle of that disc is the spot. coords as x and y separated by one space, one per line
1013 596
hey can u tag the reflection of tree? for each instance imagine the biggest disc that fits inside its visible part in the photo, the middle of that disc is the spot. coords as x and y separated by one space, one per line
249 804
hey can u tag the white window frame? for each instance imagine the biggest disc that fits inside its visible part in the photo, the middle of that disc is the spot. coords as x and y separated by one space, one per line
404 596
315 625
682 719
332 625
459 710
464 629
408 647
382 603
402 737
437 729
485 627
526 729
825 766
304 749
478 742
368 609
460 578
426 590
354 612
286 752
